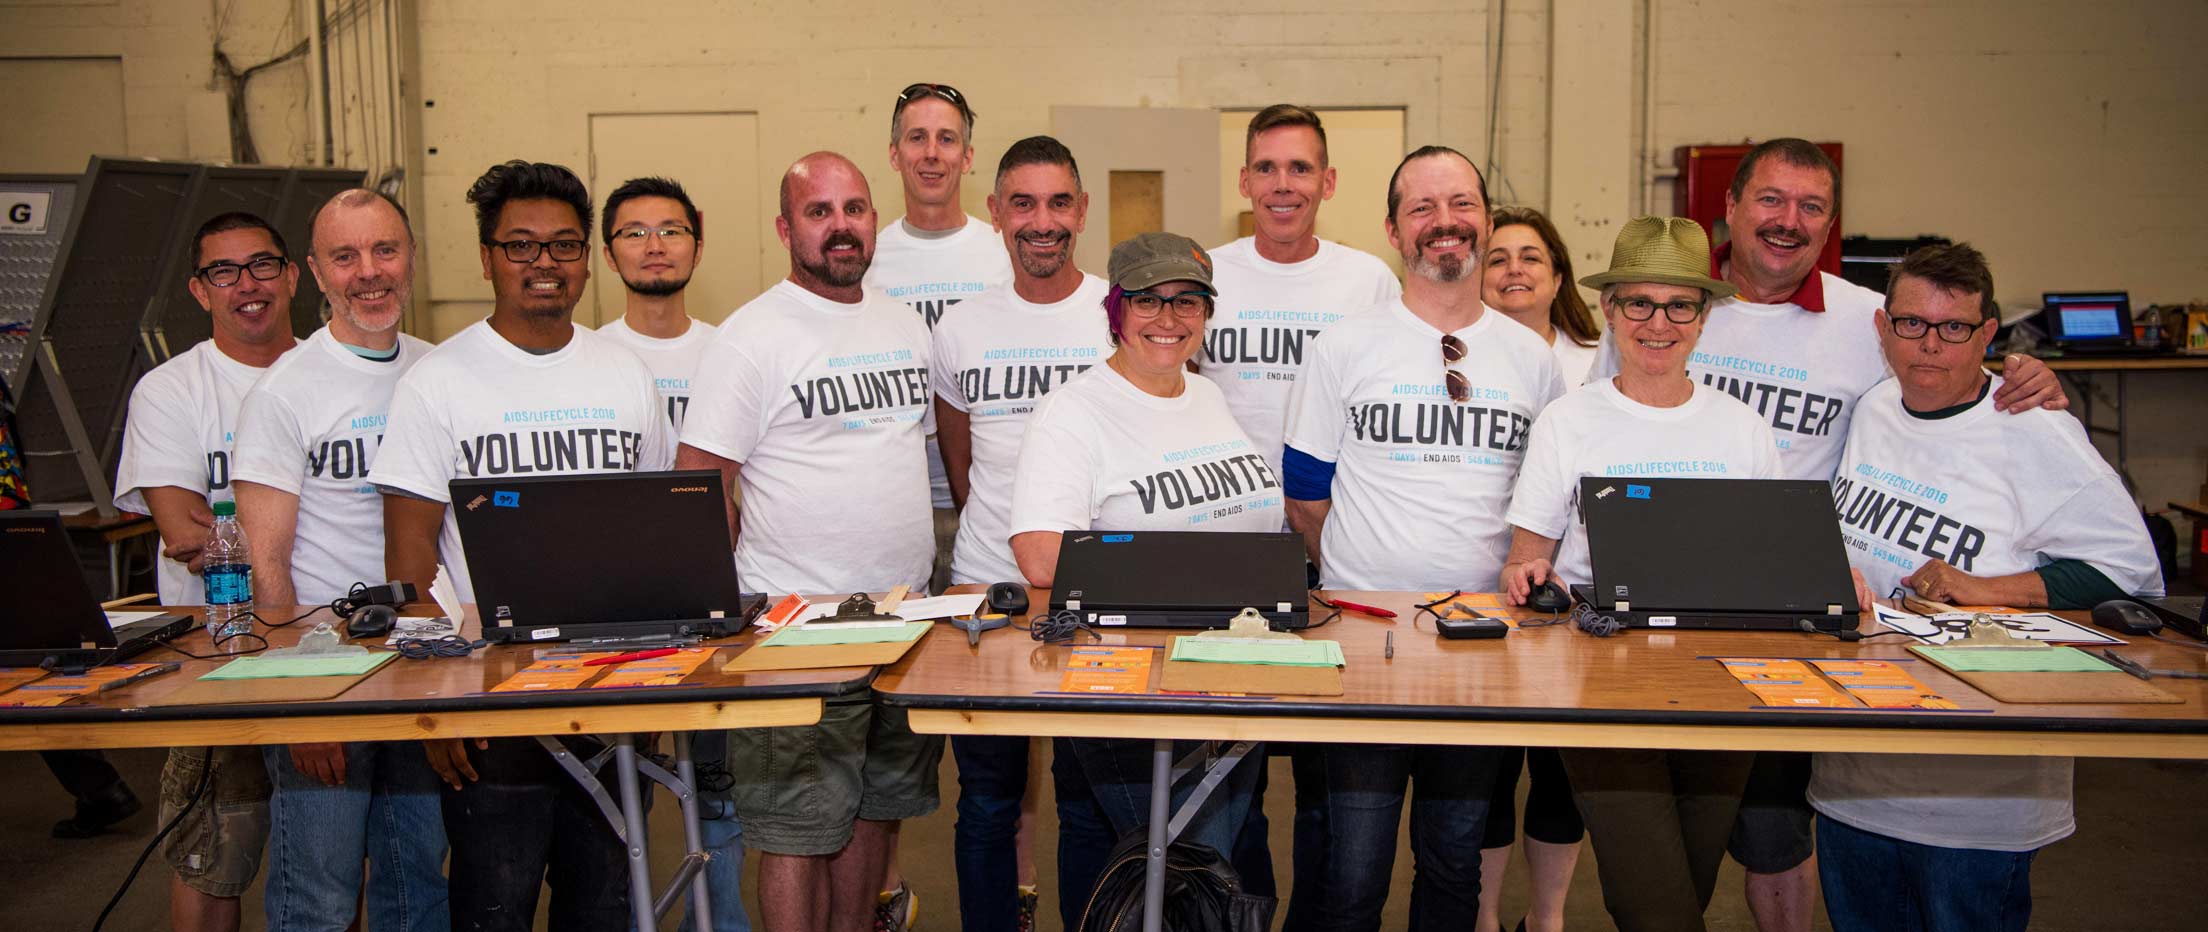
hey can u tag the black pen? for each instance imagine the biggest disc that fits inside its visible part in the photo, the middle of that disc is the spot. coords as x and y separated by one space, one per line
145 674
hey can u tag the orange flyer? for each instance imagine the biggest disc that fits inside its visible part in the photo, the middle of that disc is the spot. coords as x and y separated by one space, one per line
12 677
553 671
1882 685
1107 670
55 690
1785 683
657 671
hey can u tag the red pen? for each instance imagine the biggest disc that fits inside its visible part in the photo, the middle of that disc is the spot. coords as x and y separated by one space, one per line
634 655
1367 609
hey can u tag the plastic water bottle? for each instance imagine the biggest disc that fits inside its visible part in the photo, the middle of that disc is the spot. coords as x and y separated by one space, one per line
228 575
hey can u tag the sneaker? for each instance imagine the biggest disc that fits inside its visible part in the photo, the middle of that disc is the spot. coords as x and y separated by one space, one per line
94 815
1024 921
897 910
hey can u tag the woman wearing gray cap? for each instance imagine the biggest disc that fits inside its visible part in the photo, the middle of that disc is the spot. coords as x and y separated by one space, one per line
1137 444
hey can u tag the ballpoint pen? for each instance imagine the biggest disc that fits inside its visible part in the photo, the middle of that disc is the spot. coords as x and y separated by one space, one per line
632 655
1355 607
145 674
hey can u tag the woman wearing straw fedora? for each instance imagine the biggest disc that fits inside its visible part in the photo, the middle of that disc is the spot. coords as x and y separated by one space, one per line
1658 819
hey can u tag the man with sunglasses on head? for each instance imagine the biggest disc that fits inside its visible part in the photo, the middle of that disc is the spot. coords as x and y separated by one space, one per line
176 466
508 395
1796 344
1941 492
812 399
1404 435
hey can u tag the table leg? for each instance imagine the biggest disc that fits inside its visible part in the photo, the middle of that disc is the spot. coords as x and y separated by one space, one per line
1161 803
632 817
693 831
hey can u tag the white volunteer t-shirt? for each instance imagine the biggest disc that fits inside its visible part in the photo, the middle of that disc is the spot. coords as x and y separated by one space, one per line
995 360
312 427
1992 494
673 360
1102 454
1597 431
1269 314
1420 481
1573 361
929 274
822 403
1801 370
178 433
479 407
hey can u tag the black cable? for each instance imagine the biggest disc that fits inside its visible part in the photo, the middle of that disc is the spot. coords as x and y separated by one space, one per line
1595 623
1321 623
1851 635
225 639
1061 625
206 774
451 645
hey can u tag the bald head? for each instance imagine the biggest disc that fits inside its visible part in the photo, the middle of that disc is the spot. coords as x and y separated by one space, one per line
827 224
352 199
815 171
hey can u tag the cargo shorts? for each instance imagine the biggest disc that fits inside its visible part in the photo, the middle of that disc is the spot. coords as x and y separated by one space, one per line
799 789
216 850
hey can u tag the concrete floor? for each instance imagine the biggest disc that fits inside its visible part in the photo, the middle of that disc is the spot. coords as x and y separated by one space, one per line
2135 864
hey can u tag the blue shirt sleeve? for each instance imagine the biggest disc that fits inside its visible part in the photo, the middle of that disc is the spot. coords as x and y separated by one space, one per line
1309 478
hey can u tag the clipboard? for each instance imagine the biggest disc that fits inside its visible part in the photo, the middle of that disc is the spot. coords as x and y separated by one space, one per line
272 689
1182 676
2113 687
758 658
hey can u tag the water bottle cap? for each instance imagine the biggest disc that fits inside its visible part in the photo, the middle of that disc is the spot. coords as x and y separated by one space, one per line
226 509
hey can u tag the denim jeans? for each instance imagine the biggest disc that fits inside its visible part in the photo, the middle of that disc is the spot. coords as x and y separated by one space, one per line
1103 789
1308 841
1365 788
526 825
386 813
992 779
720 832
1873 882
1253 849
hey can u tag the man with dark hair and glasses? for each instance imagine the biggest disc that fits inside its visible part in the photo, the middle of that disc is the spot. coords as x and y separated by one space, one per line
524 391
1940 492
811 399
175 466
1404 434
1658 819
1796 344
654 239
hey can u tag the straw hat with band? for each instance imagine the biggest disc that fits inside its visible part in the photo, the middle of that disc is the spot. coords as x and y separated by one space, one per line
1665 251
1152 259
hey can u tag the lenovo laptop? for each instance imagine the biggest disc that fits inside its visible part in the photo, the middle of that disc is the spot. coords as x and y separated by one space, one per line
2185 613
1181 579
1758 554
48 616
557 558
2085 323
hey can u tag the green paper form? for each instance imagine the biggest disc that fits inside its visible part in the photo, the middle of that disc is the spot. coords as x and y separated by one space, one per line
1281 653
810 636
256 668
2014 659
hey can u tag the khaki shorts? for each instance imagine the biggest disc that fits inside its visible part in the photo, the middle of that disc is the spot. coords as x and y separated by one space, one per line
799 789
217 848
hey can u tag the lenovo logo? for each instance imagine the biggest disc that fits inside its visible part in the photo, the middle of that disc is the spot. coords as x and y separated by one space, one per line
476 502
26 530
689 488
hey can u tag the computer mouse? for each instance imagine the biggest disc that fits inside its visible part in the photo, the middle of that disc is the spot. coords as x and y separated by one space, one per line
371 621
1549 597
1008 598
2126 616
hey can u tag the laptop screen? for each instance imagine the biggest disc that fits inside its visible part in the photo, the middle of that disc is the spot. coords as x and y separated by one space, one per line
2096 317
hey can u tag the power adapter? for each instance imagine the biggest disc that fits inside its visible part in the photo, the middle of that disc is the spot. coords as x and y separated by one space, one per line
1471 628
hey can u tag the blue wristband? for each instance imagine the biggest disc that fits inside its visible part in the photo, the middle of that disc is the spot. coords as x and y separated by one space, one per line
1309 478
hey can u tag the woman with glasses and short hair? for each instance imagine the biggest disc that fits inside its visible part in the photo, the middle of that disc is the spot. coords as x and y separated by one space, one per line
1659 819
1119 448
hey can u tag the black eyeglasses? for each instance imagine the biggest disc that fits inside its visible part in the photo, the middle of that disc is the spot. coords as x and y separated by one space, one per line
1452 352
666 235
1678 312
526 250
1186 305
225 274
941 91
1951 331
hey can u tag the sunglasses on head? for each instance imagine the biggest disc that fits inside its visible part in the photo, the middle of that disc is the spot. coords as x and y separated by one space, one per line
1452 352
940 91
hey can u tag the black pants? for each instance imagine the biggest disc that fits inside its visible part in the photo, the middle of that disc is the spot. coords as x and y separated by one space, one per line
85 774
524 824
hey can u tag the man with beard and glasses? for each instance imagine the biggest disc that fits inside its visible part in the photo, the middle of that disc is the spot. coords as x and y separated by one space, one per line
994 361
507 396
307 434
1279 288
1798 345
811 399
654 239
175 467
1404 436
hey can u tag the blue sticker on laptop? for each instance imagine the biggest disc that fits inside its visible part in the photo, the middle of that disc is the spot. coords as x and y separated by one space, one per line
1118 538
506 499
1636 491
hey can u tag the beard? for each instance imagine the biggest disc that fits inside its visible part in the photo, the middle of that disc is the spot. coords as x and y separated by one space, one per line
402 296
1043 266
656 288
1444 269
838 273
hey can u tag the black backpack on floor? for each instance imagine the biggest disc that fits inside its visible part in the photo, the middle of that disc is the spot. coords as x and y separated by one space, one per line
1202 892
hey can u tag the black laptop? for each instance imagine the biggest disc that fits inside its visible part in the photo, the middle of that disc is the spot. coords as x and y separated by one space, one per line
1756 554
2185 613
1181 579
2091 323
48 616
557 558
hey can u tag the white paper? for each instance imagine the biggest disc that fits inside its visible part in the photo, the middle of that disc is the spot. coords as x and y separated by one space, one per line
119 619
1953 626
445 594
942 606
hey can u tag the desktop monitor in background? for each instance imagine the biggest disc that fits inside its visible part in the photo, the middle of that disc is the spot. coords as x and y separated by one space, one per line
2086 319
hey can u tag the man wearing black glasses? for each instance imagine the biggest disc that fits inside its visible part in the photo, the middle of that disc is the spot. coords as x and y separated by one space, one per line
1404 435
175 466
525 391
1940 492
654 240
